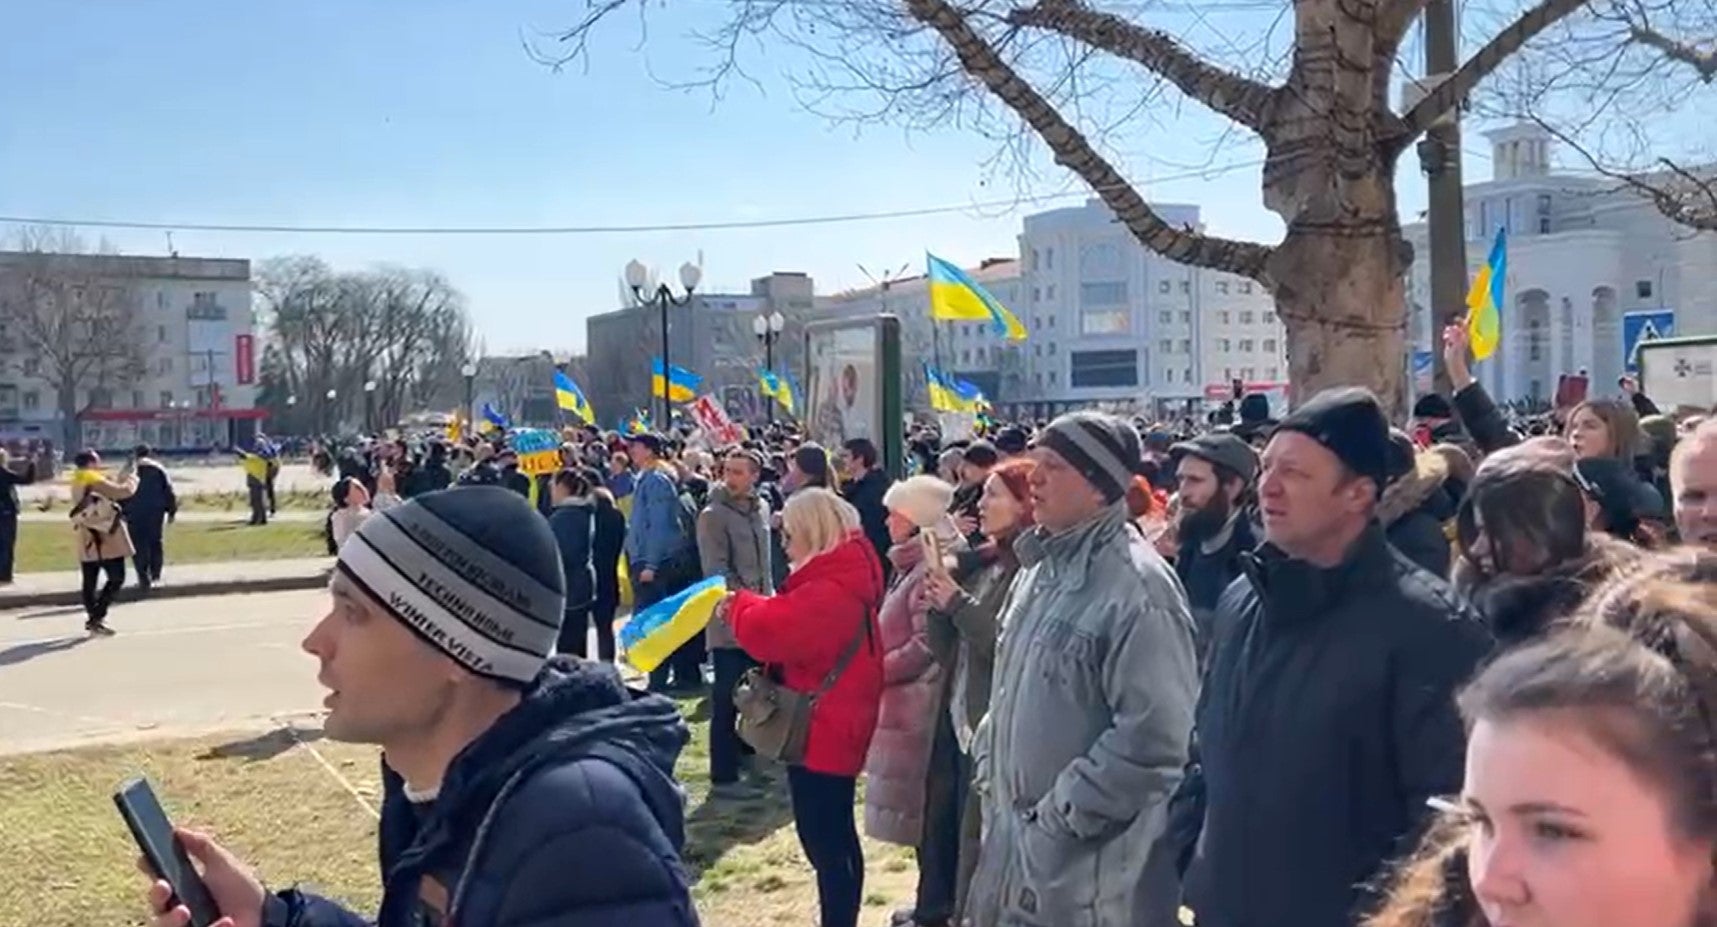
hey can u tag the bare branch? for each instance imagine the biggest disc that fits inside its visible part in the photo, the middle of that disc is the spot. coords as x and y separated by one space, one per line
1457 86
1072 151
1703 62
1684 196
1247 102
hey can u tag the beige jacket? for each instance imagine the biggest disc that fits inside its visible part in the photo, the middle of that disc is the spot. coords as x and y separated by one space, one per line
115 544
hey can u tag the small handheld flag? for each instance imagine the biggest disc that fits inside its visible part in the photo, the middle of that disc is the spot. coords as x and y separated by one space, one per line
682 385
775 388
956 297
656 631
1485 299
568 396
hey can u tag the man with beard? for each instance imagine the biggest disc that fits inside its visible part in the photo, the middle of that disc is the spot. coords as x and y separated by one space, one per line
1215 474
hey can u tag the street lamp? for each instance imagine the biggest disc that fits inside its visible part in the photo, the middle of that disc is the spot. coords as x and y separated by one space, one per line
469 372
638 277
369 406
332 395
291 412
768 329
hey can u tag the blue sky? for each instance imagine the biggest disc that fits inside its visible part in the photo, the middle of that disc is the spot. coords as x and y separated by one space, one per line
429 113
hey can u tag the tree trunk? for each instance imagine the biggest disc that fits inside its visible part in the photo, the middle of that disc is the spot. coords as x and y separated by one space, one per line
1341 297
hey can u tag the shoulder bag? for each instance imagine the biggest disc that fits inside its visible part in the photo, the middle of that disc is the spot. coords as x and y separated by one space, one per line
776 720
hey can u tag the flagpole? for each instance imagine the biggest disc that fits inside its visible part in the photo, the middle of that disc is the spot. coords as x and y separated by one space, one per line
935 353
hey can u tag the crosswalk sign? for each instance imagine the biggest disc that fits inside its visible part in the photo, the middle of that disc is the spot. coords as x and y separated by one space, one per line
1640 327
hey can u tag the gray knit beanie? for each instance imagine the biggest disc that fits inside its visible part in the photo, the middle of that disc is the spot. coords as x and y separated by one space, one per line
1104 449
473 571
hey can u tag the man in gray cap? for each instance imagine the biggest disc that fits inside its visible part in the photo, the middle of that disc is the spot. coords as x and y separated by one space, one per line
516 789
1214 474
1096 677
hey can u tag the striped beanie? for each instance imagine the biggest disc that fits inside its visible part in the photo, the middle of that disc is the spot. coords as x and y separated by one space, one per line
1104 449
474 571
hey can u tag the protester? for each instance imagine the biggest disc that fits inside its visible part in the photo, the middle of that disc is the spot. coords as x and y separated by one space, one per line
1617 501
10 480
1416 505
1327 719
504 772
103 541
607 545
1693 485
898 766
865 483
733 543
962 634
1092 704
351 509
572 519
1216 472
817 634
1588 783
255 468
659 551
976 462
147 513
1483 422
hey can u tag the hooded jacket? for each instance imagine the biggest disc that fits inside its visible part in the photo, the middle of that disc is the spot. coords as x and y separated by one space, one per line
733 542
564 813
1414 510
1326 721
1095 680
801 631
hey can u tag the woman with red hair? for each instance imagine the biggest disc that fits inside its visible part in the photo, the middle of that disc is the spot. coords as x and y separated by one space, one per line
962 634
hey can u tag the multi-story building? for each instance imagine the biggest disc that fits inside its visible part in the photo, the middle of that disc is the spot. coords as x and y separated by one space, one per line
190 382
1113 324
1588 264
711 335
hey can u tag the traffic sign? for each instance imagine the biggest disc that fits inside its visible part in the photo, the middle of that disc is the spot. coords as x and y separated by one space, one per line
1641 326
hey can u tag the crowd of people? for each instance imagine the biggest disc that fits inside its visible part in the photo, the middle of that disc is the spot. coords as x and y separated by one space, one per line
1310 671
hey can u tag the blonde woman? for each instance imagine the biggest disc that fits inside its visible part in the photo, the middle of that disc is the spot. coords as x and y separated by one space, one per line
801 633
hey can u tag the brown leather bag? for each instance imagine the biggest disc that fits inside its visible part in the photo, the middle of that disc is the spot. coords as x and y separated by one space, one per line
776 720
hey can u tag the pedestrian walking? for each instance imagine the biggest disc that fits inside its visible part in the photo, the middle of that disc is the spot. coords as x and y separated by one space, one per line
147 513
102 539
10 480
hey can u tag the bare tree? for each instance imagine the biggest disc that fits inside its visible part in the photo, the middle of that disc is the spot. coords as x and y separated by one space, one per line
1071 72
406 329
78 315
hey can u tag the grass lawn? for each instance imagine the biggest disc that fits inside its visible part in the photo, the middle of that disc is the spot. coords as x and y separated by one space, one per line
69 858
45 546
238 503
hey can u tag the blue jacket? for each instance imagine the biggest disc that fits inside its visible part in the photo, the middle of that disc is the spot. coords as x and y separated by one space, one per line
654 537
573 524
564 813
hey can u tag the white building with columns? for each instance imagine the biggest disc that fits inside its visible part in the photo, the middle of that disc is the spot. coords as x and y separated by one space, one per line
1582 254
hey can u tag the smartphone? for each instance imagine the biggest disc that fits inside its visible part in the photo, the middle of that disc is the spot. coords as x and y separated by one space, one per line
166 856
933 551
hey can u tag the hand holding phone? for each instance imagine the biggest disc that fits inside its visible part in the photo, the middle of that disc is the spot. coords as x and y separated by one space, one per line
164 853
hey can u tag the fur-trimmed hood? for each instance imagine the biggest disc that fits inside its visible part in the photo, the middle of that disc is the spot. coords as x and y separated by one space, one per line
1424 485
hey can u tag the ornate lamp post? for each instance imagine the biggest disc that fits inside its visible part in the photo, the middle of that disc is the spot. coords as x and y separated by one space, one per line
639 278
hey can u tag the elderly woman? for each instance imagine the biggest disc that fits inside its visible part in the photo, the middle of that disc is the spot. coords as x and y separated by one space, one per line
817 630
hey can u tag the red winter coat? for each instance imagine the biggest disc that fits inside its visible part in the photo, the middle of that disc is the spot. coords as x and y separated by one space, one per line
802 630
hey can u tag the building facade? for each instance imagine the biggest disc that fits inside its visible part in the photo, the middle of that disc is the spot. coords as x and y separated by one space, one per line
1588 266
1115 325
197 367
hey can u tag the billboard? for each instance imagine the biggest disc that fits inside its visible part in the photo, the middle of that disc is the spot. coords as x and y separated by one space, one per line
852 385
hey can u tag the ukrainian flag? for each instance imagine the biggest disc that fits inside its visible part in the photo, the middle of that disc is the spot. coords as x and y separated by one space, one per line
969 395
942 398
956 297
776 388
637 423
568 396
1485 299
657 631
682 383
494 418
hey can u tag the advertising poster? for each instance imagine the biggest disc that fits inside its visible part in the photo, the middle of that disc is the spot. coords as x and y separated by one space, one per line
842 384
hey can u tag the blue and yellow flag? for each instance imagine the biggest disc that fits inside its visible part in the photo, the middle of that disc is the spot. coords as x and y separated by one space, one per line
946 392
1485 300
682 384
956 297
775 388
656 631
637 423
969 395
568 396
494 419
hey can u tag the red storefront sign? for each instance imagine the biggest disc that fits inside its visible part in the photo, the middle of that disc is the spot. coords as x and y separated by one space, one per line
167 415
244 359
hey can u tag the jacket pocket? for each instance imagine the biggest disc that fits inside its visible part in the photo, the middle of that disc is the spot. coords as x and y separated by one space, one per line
1057 877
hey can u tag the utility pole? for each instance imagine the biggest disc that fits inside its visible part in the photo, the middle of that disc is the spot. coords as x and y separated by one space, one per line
1440 159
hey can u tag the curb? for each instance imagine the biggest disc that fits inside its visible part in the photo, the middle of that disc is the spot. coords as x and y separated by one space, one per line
177 590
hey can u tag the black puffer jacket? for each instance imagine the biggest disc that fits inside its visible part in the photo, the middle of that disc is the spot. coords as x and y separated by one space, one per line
1325 722
1414 511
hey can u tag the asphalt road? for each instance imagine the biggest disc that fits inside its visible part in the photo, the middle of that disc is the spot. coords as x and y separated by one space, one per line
177 666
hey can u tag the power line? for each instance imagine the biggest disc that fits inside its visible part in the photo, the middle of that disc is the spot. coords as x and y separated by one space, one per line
786 222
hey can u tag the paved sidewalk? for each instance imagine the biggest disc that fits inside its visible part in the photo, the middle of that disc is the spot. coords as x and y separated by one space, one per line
193 579
236 516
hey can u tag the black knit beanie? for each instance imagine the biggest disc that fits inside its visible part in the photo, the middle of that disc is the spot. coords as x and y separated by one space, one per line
1350 422
1104 449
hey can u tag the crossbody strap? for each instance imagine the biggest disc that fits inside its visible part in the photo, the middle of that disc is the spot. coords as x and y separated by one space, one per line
847 654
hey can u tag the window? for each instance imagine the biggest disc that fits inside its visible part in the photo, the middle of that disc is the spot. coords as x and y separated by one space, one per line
1275 372
1246 286
161 334
1269 318
1036 261
1186 346
1269 345
166 398
1036 351
1222 317
1543 225
1165 346
1165 317
1049 258
1103 294
1224 345
1186 375
136 399
160 299
1036 297
1037 378
1185 317
1246 345
1111 322
1642 289
1105 368
1228 373
32 401
1246 373
1186 286
1052 321
1222 287
164 365
1246 317
1037 322
1052 378
1052 349
1162 286
965 357
1049 292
